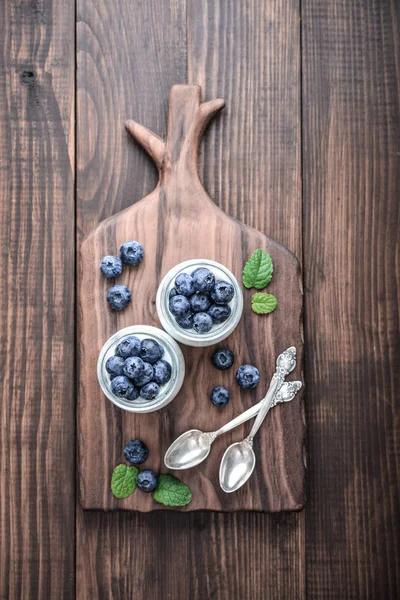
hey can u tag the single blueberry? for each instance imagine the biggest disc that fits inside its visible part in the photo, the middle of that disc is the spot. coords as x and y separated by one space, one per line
151 351
186 322
220 396
200 302
150 391
172 293
219 312
179 306
115 365
202 322
222 293
133 367
123 388
147 481
118 297
222 358
145 377
131 253
184 284
247 377
130 346
136 452
162 372
203 279
111 266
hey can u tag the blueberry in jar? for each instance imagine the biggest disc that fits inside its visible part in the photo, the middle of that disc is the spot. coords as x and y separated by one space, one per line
247 377
122 387
172 293
130 346
219 312
162 372
179 306
202 322
133 367
150 391
203 279
136 452
115 365
111 266
145 377
147 481
220 396
200 302
131 253
151 351
186 322
222 293
222 358
184 284
118 297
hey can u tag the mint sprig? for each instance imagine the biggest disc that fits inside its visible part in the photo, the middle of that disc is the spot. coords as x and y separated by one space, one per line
258 270
262 304
123 481
171 491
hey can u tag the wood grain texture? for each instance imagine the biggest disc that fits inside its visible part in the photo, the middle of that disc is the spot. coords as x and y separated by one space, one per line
351 177
175 222
37 490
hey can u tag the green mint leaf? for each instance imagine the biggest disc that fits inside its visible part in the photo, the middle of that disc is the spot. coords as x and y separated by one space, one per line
262 304
258 270
171 491
123 481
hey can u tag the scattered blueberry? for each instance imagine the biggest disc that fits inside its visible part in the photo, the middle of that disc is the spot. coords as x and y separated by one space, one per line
222 358
130 346
162 372
222 293
115 365
151 351
199 302
247 377
186 322
172 293
133 367
179 306
202 322
111 266
118 297
203 279
147 481
144 377
131 253
219 312
220 396
136 452
123 388
184 284
150 391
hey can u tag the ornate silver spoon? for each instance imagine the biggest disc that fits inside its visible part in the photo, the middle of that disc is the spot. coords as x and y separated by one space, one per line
239 460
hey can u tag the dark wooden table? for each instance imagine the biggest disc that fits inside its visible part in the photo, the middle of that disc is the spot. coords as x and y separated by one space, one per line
308 151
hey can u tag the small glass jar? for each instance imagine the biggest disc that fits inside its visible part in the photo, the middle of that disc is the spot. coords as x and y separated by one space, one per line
173 355
189 336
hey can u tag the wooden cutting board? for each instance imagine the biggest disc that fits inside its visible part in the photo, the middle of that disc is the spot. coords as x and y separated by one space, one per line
176 222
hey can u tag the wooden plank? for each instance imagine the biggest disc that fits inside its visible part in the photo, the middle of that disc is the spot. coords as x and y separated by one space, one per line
351 81
37 490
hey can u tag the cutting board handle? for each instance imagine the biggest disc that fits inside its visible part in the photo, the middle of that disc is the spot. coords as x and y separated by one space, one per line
188 117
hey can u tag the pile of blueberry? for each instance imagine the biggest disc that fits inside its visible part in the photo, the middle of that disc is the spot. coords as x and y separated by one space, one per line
247 376
136 452
138 369
130 253
198 301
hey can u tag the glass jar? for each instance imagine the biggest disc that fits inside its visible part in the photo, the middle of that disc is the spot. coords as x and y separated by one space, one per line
173 355
189 336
